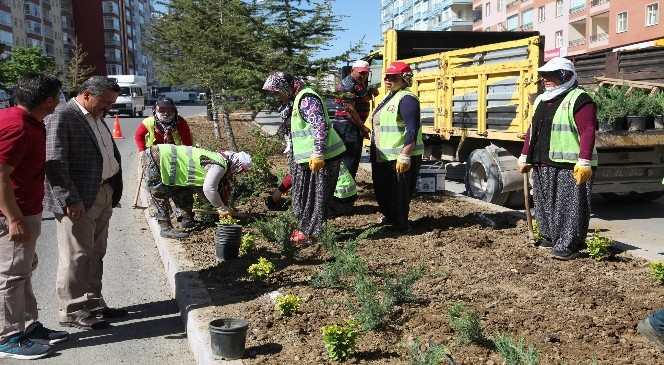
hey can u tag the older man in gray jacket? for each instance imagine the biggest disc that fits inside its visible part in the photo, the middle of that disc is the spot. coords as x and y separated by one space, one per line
83 184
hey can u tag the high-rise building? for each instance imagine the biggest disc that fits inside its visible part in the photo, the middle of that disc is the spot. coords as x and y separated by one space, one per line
110 31
427 14
573 27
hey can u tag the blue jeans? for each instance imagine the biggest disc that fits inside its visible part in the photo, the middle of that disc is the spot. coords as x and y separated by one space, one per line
657 321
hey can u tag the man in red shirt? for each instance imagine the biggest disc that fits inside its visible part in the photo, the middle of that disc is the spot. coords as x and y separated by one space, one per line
22 158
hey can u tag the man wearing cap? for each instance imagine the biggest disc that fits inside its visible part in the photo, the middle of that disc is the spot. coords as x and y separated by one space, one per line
560 150
396 147
353 96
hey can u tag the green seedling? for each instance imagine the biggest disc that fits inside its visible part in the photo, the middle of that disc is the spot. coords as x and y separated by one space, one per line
247 244
287 304
277 230
657 271
433 355
537 232
372 309
346 263
516 353
466 324
261 270
340 340
227 220
598 246
400 288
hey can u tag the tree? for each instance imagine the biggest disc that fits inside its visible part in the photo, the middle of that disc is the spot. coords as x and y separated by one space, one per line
23 61
214 44
77 70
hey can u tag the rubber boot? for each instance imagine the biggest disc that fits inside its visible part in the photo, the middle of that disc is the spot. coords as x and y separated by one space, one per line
167 231
187 222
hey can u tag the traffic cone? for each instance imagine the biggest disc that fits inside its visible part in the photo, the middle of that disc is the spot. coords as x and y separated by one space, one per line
117 131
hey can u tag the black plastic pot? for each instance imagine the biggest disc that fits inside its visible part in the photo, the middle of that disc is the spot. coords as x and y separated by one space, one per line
658 122
227 337
227 240
618 125
636 123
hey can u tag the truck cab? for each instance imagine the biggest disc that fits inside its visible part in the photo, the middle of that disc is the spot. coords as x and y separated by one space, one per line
131 100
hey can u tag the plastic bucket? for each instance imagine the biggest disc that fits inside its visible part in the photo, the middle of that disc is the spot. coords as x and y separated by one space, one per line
227 337
636 123
227 241
659 122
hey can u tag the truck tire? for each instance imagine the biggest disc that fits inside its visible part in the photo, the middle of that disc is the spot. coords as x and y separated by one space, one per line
633 197
483 179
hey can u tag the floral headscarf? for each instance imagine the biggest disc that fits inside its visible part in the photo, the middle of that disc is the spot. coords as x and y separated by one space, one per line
280 82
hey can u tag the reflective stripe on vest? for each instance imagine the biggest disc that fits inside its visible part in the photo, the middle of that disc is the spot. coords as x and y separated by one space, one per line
346 186
181 165
392 135
149 124
302 135
564 144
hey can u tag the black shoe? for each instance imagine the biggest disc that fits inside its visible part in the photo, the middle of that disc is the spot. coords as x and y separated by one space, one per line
564 255
36 332
87 323
110 313
544 243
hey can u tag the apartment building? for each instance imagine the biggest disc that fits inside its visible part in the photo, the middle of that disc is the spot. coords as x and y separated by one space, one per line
426 14
40 23
110 31
573 27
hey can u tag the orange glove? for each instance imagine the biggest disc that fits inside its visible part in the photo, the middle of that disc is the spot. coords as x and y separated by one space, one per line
582 174
316 164
403 164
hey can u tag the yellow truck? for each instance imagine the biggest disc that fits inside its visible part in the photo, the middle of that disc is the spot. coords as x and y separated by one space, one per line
476 91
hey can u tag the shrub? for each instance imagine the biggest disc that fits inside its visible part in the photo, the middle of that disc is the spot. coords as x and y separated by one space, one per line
253 182
372 310
434 354
340 340
634 103
328 237
247 244
278 230
466 324
288 304
346 263
598 246
659 101
516 353
400 288
261 270
657 271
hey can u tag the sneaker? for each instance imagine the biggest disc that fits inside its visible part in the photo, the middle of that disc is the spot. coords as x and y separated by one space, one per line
544 243
645 329
564 255
36 332
21 348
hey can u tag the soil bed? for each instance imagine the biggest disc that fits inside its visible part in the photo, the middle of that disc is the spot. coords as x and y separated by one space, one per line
570 311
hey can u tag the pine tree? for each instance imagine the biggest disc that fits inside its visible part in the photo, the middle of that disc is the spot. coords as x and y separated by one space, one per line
77 70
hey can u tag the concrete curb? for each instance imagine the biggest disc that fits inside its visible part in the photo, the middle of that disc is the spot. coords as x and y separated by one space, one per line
189 292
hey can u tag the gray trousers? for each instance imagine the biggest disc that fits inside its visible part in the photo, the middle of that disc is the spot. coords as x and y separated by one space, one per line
17 262
81 250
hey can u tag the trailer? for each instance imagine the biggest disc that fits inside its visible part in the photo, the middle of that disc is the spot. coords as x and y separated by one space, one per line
476 91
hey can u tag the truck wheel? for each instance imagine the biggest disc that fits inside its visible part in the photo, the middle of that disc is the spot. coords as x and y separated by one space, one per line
633 197
483 179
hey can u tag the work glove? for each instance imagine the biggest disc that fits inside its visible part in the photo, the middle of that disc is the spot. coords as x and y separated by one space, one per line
524 166
582 172
316 163
403 164
224 213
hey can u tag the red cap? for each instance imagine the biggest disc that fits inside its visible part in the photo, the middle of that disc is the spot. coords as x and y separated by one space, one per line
398 68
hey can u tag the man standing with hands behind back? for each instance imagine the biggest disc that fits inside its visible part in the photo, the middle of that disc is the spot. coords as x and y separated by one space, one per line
84 183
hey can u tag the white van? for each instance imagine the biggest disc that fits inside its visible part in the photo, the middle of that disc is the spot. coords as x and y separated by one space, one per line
131 100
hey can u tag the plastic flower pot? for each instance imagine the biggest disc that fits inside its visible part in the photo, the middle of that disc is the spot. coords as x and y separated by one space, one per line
658 122
618 125
227 240
636 123
227 337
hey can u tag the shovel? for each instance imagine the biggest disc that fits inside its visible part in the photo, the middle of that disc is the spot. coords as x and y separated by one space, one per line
138 190
526 200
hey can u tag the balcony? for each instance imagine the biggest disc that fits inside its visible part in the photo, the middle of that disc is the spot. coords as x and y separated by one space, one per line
512 5
599 39
477 15
594 3
576 42
527 27
457 24
599 6
448 3
577 9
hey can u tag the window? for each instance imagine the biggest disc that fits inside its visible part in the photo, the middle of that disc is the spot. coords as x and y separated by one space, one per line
499 6
621 23
652 14
5 18
541 14
32 9
559 7
487 9
527 18
111 38
513 22
559 39
111 7
33 27
112 55
34 42
111 23
6 37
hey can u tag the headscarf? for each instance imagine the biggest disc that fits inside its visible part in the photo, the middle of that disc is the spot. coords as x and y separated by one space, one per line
237 162
165 123
280 82
564 69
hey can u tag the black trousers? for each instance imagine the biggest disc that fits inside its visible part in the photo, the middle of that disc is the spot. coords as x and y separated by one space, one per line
393 190
352 139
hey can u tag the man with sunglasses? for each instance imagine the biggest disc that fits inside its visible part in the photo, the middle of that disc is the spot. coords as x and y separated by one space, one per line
353 97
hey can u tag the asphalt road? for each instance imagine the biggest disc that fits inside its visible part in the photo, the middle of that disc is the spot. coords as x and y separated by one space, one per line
133 278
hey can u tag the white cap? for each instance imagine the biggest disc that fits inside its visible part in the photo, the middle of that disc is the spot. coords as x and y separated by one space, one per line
361 65
557 63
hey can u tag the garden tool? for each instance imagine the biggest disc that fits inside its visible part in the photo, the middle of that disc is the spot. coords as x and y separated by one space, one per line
526 201
138 189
